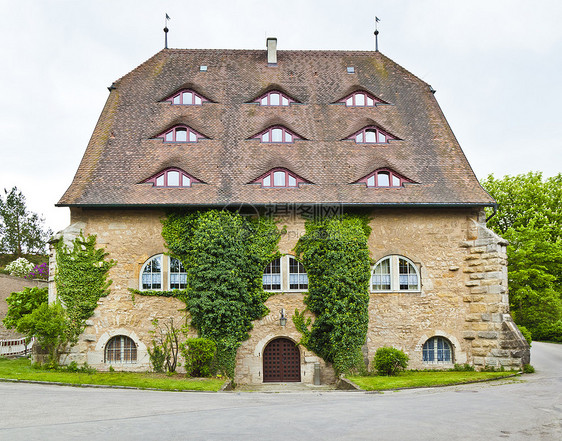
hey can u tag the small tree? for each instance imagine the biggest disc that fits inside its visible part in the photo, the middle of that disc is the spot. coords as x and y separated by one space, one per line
49 325
21 231
388 361
22 303
165 346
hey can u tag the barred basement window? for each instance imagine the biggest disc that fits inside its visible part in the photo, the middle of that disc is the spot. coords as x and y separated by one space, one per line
437 350
395 273
121 349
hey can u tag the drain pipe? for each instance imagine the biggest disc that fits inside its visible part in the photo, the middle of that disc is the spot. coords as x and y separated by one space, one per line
317 374
495 208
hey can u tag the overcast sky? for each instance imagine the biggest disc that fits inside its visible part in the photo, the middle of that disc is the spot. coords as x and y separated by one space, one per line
496 66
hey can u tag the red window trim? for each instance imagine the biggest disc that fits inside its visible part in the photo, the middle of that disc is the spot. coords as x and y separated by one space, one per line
364 130
165 172
180 94
198 135
391 174
284 130
268 95
287 172
352 95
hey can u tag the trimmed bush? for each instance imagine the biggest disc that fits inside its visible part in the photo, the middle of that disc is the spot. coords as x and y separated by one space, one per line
388 361
198 354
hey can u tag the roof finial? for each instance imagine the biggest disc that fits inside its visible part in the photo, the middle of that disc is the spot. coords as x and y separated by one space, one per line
376 34
166 31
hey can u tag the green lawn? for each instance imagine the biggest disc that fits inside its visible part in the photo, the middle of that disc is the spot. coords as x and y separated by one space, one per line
21 369
423 379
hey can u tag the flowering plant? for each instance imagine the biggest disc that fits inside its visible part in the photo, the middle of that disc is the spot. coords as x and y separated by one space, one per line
19 267
39 272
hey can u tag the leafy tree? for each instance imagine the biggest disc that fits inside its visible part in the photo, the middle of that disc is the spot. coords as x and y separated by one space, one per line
530 217
22 303
21 231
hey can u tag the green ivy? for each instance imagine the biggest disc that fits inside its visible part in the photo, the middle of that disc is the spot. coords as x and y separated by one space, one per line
81 278
224 254
335 254
180 294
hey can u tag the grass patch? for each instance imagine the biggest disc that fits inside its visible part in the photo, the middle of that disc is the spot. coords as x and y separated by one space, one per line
20 369
423 379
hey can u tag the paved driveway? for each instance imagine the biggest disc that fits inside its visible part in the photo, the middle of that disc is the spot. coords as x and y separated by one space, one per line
524 409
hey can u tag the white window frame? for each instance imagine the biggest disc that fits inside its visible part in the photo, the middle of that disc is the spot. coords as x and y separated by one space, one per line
285 262
288 286
395 274
165 274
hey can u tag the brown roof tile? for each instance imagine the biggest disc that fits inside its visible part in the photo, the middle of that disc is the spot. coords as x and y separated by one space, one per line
123 152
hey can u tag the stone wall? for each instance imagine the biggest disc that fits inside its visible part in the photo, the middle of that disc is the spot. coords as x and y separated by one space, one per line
8 285
463 294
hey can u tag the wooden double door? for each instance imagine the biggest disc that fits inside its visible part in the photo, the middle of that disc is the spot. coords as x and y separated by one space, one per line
281 362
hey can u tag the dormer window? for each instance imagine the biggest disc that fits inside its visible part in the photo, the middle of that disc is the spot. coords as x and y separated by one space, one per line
187 97
277 135
172 177
372 135
361 99
181 134
384 178
274 98
279 177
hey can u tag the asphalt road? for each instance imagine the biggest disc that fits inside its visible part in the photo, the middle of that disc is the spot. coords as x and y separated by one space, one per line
529 408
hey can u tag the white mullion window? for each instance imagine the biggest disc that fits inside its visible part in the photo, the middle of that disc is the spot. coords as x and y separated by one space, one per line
271 278
151 274
298 279
177 274
395 274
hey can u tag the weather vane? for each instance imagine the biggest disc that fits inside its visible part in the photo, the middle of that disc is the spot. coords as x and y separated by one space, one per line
376 34
166 31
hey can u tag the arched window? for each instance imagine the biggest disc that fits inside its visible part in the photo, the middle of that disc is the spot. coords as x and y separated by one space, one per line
361 99
187 97
277 135
178 275
272 276
151 274
395 273
181 134
154 277
172 177
121 349
384 178
285 274
274 98
437 350
372 135
298 279
279 177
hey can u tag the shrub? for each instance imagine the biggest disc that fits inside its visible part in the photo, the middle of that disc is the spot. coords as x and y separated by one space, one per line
22 303
198 354
526 333
157 357
49 325
19 267
528 369
463 368
388 361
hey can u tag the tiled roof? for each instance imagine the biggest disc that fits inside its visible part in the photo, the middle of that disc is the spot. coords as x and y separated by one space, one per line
122 152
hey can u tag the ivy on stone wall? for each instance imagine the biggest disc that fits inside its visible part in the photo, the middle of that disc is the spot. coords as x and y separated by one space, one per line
81 278
335 254
224 255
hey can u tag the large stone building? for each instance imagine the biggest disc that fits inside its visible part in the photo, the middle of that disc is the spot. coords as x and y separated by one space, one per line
293 134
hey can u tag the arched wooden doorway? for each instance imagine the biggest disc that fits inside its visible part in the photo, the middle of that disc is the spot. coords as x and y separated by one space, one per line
281 361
